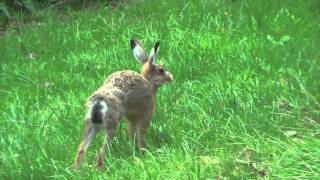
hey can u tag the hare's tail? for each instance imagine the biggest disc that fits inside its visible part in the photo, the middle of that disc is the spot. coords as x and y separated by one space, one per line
98 110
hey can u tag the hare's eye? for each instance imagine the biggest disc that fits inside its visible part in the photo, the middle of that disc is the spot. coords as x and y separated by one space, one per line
161 70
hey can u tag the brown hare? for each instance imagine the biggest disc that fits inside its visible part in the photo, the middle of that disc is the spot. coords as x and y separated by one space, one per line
124 93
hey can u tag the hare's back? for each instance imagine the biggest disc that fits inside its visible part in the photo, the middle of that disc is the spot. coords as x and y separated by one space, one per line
136 88
126 80
129 87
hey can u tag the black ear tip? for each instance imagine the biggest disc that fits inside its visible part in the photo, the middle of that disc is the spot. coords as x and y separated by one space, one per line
157 45
132 43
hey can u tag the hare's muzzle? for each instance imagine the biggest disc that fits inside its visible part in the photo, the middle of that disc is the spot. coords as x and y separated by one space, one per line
169 77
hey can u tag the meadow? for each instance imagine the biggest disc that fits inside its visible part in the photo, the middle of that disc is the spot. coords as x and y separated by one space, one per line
244 103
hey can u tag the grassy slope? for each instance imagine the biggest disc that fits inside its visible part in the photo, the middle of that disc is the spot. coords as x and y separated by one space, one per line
244 103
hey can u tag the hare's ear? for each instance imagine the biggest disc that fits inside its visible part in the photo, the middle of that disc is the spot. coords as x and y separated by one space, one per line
154 53
138 51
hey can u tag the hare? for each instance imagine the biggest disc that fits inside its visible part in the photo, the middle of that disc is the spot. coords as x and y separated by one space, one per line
124 93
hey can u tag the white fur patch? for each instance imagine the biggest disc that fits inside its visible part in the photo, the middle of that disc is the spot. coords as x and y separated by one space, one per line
104 108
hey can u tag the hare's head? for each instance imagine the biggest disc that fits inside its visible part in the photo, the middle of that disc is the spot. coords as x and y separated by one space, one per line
155 73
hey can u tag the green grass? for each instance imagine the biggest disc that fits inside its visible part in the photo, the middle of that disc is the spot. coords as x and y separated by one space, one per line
245 101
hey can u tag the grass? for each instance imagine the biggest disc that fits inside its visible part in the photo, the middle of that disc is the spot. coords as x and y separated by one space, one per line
244 103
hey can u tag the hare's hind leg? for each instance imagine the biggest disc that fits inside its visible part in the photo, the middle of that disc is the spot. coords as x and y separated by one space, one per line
112 121
89 134
94 122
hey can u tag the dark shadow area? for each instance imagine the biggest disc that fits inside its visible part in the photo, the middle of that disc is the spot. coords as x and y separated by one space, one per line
16 12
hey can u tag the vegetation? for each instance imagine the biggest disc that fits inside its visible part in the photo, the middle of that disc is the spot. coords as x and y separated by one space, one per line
244 103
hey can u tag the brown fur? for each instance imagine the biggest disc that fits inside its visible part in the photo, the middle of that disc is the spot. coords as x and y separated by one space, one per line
128 94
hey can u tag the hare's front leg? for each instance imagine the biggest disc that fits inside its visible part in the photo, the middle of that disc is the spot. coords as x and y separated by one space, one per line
137 128
89 134
141 130
132 130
